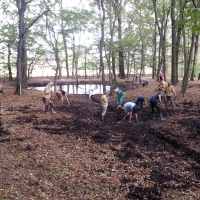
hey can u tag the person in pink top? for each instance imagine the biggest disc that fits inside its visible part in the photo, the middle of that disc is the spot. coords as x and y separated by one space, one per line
161 75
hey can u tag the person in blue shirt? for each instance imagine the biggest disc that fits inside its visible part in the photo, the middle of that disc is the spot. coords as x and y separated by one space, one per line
154 100
140 100
130 109
120 95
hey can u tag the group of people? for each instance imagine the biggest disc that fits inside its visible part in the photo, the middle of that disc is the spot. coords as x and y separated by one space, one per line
139 79
48 101
165 89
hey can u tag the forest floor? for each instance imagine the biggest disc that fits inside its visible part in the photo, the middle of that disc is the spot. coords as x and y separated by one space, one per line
74 155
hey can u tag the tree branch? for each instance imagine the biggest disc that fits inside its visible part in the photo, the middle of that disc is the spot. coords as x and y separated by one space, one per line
31 24
28 2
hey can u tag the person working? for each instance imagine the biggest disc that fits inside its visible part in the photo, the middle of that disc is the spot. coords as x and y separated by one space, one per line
104 104
140 100
154 104
130 109
120 95
170 91
160 86
47 98
143 81
60 94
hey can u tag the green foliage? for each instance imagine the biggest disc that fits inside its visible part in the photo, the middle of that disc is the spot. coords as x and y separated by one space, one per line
193 15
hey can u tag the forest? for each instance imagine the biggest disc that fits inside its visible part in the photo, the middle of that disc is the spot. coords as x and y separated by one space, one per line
73 153
113 37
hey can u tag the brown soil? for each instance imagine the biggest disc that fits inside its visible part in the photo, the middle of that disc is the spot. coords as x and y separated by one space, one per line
74 155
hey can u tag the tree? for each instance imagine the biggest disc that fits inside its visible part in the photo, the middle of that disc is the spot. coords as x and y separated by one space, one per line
21 49
102 43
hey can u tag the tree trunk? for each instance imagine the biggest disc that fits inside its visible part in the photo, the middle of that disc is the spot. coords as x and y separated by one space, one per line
9 67
85 66
154 55
195 57
21 5
101 45
187 65
142 73
173 22
113 66
24 63
120 51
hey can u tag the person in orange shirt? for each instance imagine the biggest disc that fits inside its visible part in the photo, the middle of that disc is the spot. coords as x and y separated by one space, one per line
160 86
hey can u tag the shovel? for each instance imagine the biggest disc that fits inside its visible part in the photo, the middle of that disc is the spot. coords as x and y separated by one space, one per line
122 119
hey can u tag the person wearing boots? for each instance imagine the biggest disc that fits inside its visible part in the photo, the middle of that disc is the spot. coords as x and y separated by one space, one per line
47 98
140 100
120 95
130 109
170 91
104 104
154 100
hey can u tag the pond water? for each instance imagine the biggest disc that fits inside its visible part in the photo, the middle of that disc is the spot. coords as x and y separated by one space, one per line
89 89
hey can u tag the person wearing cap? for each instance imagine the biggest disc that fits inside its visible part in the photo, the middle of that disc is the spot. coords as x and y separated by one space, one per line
104 104
130 109
154 100
140 100
60 94
120 95
47 98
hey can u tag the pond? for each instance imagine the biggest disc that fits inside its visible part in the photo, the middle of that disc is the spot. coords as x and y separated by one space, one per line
89 89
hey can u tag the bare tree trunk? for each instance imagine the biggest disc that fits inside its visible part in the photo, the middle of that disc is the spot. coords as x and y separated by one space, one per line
85 66
102 44
142 73
195 57
120 51
154 55
128 64
113 66
24 64
21 5
187 65
9 67
173 22
66 57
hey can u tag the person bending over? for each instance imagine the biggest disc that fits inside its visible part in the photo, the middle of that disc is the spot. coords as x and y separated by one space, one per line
120 95
60 94
140 100
154 104
130 109
47 98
